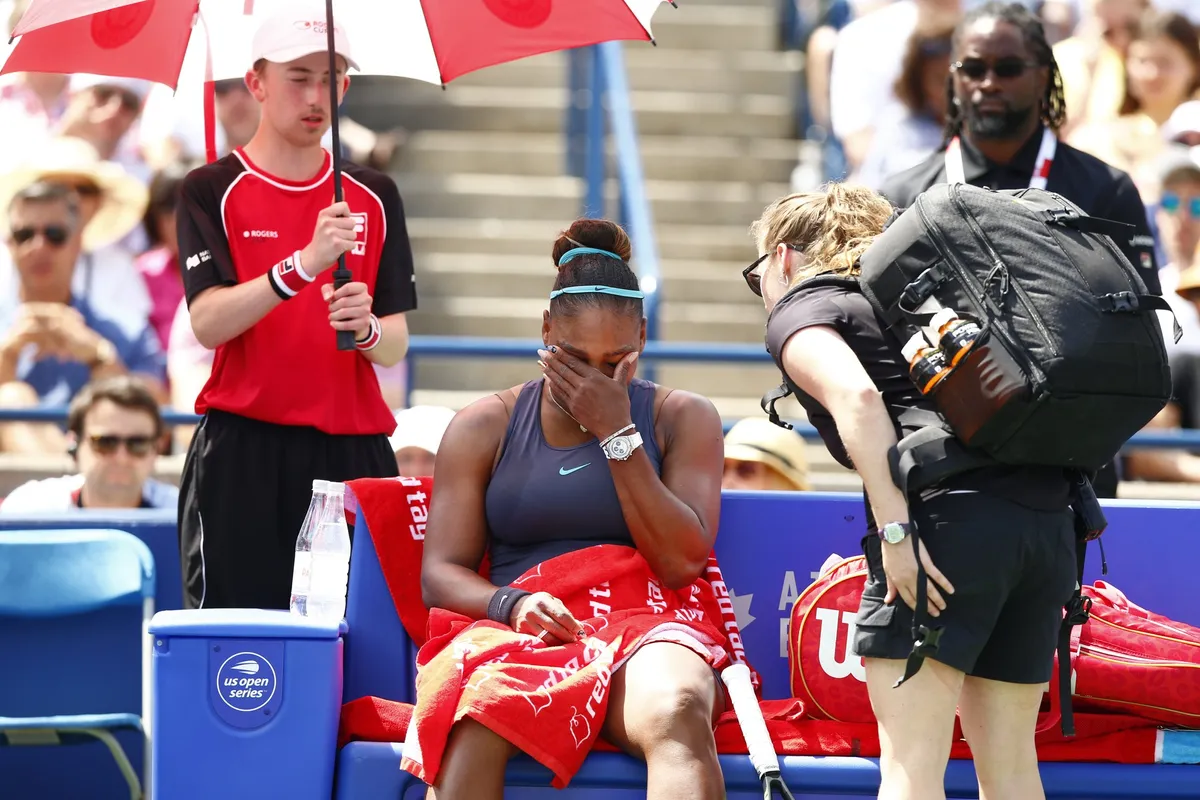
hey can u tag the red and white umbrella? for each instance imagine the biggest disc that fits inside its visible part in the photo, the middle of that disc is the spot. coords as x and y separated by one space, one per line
428 40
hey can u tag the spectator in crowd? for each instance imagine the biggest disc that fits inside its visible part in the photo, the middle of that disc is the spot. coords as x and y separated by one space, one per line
103 111
112 204
655 487
860 85
1181 413
419 431
1178 219
915 130
1092 62
762 456
31 105
1162 71
114 427
159 266
53 342
1007 106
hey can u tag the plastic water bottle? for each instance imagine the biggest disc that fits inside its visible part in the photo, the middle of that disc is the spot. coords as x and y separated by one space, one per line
330 558
302 566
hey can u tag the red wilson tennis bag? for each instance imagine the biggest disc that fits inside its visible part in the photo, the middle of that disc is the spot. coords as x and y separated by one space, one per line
1129 660
825 674
1124 659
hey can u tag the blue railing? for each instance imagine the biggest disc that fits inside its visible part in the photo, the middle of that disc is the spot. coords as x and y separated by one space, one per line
599 94
679 352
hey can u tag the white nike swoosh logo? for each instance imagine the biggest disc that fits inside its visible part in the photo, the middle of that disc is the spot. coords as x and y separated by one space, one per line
565 471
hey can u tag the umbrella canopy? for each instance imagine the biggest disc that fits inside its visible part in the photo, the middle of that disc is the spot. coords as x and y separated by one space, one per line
428 40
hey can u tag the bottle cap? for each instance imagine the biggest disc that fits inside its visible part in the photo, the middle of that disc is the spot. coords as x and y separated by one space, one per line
337 489
320 486
914 346
942 317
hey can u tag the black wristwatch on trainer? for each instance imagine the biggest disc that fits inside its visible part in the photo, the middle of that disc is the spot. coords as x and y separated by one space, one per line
895 532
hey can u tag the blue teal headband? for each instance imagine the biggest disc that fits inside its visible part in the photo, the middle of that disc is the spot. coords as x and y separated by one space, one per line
579 251
631 293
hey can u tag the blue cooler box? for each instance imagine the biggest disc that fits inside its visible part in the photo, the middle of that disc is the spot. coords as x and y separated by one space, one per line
246 705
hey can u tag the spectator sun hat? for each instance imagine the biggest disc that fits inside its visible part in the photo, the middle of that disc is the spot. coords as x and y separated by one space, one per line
765 442
123 198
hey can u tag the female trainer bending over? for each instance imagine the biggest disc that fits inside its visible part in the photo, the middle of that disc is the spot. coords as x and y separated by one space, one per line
998 543
522 477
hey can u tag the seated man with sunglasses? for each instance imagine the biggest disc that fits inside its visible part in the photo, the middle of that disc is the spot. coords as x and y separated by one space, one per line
1006 109
53 343
114 427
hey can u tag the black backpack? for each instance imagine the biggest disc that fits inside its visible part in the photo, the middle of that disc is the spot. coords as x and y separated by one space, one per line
1070 362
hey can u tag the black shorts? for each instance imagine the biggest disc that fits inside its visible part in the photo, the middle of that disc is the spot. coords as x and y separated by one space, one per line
245 489
1013 568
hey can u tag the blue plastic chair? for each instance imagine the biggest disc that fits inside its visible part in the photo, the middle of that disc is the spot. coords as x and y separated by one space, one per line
73 606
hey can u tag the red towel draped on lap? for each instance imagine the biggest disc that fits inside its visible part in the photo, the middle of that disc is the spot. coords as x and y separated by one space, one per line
551 702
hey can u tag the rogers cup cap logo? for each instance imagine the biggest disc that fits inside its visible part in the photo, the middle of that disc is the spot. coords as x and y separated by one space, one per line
316 26
246 681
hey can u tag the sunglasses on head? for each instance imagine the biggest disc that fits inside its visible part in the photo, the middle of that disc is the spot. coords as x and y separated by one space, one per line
976 69
751 275
56 235
1173 204
134 445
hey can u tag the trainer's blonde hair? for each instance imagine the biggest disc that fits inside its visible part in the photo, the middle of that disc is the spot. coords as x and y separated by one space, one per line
831 227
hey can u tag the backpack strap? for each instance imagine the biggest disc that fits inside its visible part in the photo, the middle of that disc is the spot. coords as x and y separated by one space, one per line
768 404
1087 224
924 458
1132 303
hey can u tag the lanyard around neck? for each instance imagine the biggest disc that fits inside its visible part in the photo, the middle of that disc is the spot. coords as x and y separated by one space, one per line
1041 167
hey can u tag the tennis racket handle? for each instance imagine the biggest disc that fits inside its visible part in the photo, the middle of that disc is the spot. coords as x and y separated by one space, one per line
341 276
736 678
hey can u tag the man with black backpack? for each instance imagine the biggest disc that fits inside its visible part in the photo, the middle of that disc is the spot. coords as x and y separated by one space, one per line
1005 107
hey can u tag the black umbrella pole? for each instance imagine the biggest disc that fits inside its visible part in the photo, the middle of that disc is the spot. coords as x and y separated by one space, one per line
341 275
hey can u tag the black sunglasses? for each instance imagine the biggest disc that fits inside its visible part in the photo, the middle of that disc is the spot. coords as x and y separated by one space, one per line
135 445
56 235
754 279
976 69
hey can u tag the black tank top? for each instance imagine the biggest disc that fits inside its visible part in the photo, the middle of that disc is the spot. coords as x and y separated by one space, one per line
545 501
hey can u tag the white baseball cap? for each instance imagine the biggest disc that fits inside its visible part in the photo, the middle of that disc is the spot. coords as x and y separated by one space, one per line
298 32
421 426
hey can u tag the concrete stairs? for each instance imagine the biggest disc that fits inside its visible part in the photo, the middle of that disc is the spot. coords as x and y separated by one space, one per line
483 178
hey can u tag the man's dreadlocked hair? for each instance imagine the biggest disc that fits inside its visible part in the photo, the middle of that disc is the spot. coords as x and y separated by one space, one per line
1054 105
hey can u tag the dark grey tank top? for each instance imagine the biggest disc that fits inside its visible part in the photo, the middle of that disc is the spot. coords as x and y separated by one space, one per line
545 501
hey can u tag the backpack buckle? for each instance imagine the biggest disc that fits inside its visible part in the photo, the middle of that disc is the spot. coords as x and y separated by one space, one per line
1120 303
923 286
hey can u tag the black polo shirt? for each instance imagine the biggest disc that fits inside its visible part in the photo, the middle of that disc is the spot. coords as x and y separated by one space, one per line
1097 188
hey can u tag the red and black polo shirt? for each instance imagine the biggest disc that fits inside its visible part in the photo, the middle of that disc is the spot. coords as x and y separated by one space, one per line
235 222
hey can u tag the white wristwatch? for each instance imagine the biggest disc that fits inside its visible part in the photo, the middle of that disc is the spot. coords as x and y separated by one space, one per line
620 448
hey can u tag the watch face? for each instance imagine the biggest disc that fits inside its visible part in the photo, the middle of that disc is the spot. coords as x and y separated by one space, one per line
619 448
893 533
